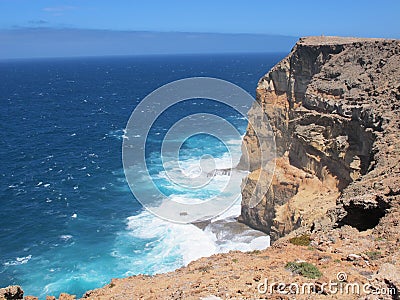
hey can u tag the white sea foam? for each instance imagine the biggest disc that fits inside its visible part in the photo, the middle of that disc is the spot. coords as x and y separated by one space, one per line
222 234
18 261
186 240
190 179
66 237
231 213
189 241
118 134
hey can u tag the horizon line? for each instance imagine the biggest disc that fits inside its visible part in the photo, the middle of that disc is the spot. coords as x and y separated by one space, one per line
17 27
2 60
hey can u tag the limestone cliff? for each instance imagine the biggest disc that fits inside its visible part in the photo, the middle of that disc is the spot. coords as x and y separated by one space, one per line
333 104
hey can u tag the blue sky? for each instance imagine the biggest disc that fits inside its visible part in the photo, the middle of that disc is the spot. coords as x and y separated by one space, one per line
297 18
279 17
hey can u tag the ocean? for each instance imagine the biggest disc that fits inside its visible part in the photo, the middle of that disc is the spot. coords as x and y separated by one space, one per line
68 220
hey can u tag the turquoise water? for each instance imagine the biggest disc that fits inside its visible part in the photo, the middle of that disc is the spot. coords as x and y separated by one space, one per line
69 222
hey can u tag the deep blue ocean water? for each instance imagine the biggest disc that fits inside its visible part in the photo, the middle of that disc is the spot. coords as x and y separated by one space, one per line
68 221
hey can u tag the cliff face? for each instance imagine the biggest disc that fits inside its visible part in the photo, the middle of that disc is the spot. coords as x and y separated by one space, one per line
333 105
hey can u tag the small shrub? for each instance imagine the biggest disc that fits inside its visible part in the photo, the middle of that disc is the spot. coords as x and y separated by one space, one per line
304 268
301 240
255 252
235 260
373 255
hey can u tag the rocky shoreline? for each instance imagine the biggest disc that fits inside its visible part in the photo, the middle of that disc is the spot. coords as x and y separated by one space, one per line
332 209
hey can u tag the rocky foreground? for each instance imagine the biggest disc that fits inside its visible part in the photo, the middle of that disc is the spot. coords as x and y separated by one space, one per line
333 207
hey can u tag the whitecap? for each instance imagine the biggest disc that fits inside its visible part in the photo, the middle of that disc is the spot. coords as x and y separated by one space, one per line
18 261
170 239
23 260
66 237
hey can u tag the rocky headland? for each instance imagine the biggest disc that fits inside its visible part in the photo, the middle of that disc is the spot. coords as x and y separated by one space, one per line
332 208
333 104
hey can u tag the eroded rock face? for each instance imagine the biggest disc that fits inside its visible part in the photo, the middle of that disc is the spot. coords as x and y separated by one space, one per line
333 104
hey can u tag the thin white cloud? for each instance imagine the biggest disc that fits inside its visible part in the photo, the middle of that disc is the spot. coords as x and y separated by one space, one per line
38 22
58 9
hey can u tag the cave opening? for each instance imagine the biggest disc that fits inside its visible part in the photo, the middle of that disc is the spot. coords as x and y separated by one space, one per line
363 218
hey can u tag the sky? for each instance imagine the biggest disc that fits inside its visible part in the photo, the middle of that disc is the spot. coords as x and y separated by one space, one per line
29 22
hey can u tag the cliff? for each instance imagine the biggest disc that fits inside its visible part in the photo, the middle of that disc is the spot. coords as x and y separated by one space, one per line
333 104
